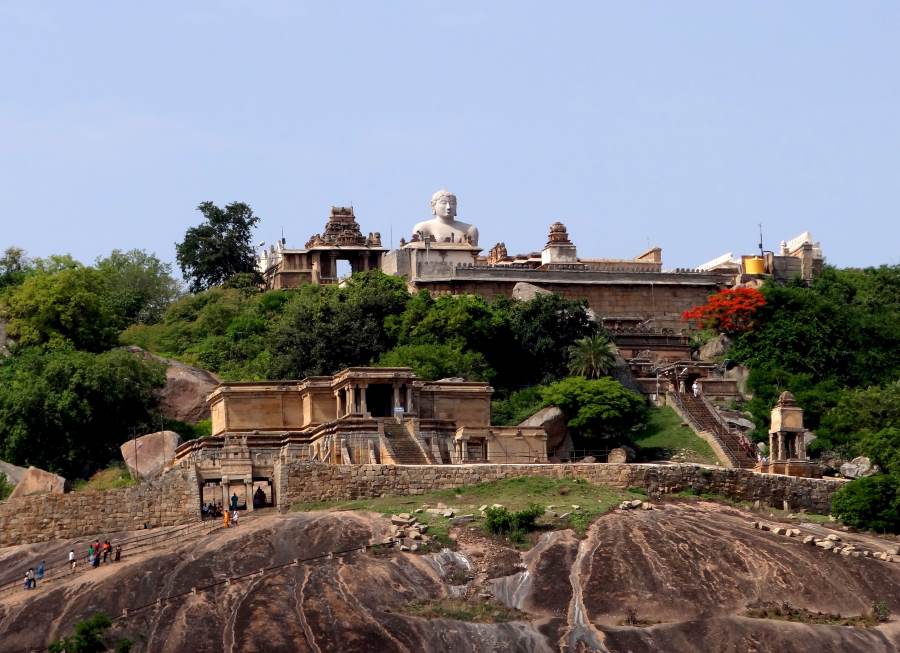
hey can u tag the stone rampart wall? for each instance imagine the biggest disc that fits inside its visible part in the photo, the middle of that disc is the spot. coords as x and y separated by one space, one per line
174 497
171 499
315 482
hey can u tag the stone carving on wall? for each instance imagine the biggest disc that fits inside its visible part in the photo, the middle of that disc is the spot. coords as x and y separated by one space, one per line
443 226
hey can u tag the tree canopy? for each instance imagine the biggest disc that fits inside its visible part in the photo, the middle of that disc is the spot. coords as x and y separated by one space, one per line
218 248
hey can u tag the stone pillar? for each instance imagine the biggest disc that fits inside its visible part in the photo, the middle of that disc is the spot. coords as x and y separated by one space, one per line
363 408
801 446
248 493
351 399
409 404
226 502
396 400
337 399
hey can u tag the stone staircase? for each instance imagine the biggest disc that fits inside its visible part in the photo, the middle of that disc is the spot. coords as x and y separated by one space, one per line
733 443
405 450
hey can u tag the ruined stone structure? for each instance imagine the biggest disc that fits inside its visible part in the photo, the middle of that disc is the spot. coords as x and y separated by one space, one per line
316 263
787 441
358 416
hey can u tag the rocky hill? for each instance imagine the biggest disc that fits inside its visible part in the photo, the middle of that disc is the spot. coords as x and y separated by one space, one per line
676 578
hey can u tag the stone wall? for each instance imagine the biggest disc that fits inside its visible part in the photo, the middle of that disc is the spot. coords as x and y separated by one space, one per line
174 497
315 482
170 499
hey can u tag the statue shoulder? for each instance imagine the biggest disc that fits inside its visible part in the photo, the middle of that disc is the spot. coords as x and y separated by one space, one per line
425 225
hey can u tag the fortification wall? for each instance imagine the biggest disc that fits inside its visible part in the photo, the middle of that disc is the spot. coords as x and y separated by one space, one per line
315 482
174 497
171 499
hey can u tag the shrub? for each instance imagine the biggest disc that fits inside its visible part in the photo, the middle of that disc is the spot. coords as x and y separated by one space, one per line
501 521
870 502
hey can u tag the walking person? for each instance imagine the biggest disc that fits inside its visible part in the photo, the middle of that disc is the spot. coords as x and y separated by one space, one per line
90 558
72 559
234 517
118 553
234 501
696 389
30 583
227 519
40 571
107 549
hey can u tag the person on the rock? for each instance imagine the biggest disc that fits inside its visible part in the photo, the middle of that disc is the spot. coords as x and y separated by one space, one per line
90 559
696 389
234 517
118 553
234 501
227 519
40 571
107 549
72 558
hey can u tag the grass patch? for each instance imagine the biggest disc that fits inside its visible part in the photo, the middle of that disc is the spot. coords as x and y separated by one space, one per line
515 494
113 477
879 613
665 436
477 611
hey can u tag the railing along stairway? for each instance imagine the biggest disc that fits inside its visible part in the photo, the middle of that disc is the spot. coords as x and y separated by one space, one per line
704 418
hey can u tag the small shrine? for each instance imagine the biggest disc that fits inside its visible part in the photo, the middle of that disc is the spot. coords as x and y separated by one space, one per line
787 441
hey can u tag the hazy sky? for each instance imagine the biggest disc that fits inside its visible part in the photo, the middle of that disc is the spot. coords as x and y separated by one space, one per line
678 124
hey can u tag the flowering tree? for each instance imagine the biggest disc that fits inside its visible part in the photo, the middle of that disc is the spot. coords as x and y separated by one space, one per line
728 311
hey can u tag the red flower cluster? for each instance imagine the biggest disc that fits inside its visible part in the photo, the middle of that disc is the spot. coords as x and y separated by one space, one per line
728 311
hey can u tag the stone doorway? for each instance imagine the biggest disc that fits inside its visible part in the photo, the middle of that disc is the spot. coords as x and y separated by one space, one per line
379 400
263 493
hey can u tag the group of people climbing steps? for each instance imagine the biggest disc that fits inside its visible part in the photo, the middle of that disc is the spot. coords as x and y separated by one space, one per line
98 553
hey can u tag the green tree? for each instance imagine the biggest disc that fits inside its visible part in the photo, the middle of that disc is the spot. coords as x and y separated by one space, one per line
593 356
220 247
14 267
140 286
68 306
325 328
89 637
437 361
542 331
870 502
68 411
857 412
597 409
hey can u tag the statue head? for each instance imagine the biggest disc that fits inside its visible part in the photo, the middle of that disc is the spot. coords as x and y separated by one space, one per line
443 205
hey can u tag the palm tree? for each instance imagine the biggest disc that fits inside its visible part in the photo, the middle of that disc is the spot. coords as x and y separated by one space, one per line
592 357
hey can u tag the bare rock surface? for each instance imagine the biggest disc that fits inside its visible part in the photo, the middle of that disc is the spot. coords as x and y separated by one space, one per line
552 420
13 473
859 467
689 568
715 349
38 481
183 398
148 455
525 292
620 455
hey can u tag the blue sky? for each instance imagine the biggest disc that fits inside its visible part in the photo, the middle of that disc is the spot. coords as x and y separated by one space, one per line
681 124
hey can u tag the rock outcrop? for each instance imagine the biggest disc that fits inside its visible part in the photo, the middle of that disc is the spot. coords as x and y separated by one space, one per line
676 577
38 481
552 420
525 292
859 467
148 455
183 398
715 349
621 455
13 473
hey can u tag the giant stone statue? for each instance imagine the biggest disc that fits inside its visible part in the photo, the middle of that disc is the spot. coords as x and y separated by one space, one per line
444 227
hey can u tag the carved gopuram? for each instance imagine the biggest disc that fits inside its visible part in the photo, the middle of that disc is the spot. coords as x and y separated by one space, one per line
787 441
316 263
362 415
